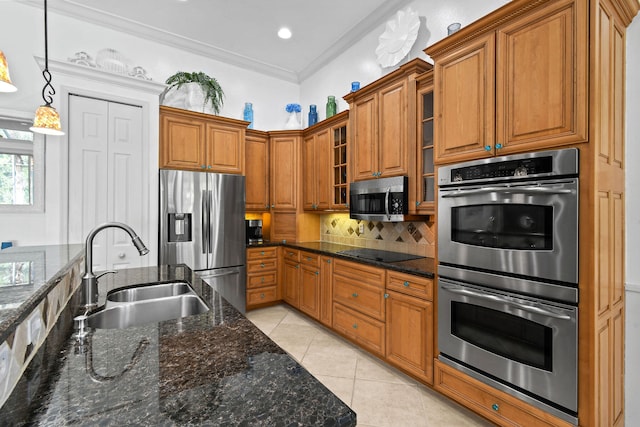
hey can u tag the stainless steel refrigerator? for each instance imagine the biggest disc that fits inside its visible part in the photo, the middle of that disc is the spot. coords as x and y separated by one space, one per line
202 225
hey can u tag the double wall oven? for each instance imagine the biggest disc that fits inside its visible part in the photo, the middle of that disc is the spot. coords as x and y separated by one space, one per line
508 275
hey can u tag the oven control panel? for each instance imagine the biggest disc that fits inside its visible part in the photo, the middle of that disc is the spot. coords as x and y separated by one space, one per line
519 166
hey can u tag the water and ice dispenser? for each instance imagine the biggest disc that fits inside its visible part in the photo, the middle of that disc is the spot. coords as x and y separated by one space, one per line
180 227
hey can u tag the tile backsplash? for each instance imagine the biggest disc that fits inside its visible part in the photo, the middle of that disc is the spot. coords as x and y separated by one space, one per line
414 237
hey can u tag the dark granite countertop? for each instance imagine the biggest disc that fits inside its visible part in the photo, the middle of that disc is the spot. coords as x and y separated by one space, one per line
35 270
215 368
421 267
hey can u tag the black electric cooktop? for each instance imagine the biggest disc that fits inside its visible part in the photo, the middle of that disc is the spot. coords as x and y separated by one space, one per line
377 255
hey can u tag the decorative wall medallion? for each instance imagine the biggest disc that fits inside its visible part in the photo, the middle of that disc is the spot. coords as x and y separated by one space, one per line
399 36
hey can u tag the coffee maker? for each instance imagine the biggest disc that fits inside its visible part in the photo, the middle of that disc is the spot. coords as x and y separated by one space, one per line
254 231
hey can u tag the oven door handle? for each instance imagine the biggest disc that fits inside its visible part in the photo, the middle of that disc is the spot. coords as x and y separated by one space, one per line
496 298
530 190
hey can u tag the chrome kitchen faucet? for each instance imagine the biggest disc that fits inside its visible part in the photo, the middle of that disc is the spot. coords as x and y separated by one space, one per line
90 280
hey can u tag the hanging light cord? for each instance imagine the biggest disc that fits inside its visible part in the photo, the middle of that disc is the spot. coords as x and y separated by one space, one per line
47 91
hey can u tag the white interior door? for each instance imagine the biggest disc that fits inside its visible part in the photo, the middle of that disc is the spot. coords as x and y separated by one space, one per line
105 178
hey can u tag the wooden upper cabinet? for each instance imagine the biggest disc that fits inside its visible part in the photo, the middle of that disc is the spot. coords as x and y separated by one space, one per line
182 140
514 86
284 159
323 164
425 170
464 101
382 123
257 170
194 141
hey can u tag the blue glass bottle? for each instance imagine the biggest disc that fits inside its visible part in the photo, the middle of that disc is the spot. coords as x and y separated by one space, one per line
248 114
313 115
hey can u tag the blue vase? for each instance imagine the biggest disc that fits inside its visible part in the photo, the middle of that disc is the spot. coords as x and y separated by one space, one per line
313 115
248 114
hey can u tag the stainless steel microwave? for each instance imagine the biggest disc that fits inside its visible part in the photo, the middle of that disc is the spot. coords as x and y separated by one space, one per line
383 199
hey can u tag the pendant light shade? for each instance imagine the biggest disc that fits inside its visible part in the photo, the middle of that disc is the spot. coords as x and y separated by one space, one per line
5 80
47 120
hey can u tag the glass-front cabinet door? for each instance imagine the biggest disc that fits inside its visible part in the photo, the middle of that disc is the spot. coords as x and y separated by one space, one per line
426 172
340 182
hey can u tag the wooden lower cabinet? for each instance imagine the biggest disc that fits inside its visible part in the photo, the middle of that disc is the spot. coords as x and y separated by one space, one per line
501 408
290 276
309 287
409 331
262 276
326 290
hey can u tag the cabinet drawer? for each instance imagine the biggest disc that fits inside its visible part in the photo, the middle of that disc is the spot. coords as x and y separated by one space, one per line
366 331
257 266
260 280
497 406
409 284
310 259
291 254
359 272
261 253
360 296
262 295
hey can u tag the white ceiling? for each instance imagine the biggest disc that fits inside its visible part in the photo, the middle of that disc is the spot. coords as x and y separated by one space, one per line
243 32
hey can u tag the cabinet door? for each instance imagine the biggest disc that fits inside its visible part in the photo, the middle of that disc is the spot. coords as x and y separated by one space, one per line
339 155
310 290
284 171
464 102
182 142
425 183
225 149
326 293
257 172
541 79
364 121
410 334
290 286
324 169
309 173
392 122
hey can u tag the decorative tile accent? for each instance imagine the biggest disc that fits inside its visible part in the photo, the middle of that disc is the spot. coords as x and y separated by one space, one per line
413 237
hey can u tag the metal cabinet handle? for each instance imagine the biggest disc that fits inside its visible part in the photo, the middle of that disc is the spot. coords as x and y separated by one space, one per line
328 261
355 326
386 296
498 146
262 265
355 294
317 272
487 148
406 284
262 279
261 252
495 407
262 296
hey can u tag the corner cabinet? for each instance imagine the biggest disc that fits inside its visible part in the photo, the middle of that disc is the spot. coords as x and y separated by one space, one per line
382 124
324 165
201 142
515 87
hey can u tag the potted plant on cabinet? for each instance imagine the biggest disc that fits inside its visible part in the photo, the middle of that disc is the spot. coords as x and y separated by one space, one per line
193 91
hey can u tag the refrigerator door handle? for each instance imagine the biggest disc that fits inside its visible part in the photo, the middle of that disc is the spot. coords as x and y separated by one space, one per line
203 221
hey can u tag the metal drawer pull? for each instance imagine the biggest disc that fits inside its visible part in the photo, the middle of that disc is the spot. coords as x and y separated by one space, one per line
355 294
496 298
261 295
262 264
262 279
406 283
261 252
317 272
495 407
355 326
309 258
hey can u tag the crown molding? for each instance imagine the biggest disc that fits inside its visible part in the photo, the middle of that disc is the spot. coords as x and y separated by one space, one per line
76 9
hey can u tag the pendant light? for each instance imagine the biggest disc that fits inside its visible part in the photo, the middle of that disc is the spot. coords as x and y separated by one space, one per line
47 119
5 80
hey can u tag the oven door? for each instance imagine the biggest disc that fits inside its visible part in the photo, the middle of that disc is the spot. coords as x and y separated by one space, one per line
523 342
526 229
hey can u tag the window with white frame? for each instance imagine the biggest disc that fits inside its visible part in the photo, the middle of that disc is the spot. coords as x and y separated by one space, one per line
21 167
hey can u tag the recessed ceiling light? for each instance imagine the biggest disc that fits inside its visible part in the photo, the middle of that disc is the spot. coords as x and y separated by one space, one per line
284 33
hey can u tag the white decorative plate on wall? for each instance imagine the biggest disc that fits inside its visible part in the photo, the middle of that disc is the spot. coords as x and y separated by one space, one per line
399 36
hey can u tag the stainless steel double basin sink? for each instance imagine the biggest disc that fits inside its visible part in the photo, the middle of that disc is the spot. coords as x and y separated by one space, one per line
146 303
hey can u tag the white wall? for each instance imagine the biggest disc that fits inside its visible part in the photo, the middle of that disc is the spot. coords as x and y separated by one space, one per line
632 351
359 62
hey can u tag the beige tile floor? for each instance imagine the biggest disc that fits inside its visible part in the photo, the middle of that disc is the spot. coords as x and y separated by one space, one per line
379 394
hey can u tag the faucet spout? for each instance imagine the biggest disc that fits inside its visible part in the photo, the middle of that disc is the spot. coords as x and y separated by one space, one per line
89 280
